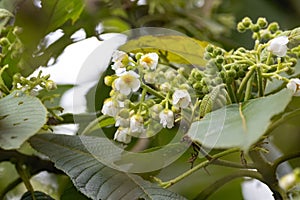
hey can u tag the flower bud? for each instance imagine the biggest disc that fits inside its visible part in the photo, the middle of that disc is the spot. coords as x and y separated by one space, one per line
273 27
255 28
165 87
108 80
246 22
138 55
262 22
240 27
209 48
4 41
50 85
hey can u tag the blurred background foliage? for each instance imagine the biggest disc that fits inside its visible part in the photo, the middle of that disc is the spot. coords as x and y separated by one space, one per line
209 20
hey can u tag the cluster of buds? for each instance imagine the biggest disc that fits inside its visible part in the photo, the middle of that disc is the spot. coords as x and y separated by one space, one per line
146 95
30 85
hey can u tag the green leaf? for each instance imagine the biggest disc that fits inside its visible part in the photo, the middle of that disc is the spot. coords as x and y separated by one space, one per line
62 11
180 49
239 125
72 154
21 116
38 196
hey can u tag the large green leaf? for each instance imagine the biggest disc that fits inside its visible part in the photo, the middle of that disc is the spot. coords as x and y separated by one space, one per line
21 116
72 154
180 49
239 125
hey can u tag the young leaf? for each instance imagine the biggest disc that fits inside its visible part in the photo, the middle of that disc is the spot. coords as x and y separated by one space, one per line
180 49
21 116
62 11
90 176
239 125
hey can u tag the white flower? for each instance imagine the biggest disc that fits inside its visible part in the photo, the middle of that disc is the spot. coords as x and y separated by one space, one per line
127 82
136 125
166 118
110 108
122 136
278 46
120 60
118 56
181 98
149 61
294 85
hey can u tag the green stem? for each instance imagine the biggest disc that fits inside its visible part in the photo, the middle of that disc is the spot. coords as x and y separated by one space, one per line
197 167
244 82
259 82
249 88
268 62
25 176
231 93
152 91
219 183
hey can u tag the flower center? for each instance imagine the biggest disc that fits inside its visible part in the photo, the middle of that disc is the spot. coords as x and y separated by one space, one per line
147 60
127 78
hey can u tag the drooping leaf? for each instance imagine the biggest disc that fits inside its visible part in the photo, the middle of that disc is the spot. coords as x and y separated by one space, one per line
239 125
21 116
38 196
180 49
74 155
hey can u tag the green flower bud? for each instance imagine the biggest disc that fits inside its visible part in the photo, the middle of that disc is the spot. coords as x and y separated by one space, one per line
218 81
197 86
241 73
196 74
205 90
240 27
108 80
262 22
138 55
290 71
207 56
17 77
17 30
273 27
218 51
219 59
209 48
231 73
4 41
50 85
206 81
246 22
255 28
124 113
